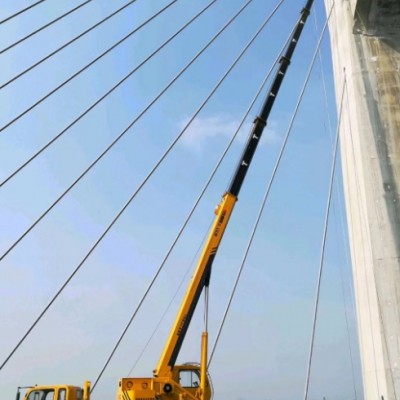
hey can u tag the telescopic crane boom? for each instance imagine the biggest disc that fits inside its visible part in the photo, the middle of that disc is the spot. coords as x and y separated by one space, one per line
223 213
168 376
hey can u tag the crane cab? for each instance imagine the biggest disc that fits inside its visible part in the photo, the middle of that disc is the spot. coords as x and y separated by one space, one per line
56 392
184 384
188 377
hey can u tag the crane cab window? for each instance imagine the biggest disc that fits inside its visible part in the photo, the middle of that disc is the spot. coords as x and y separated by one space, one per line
62 395
189 378
79 394
41 395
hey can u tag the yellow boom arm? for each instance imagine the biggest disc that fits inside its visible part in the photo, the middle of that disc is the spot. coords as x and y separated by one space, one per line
199 280
203 270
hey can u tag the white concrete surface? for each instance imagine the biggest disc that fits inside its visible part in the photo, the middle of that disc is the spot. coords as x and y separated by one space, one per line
365 38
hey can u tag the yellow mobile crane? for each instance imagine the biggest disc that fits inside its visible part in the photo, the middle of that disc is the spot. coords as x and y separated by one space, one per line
189 381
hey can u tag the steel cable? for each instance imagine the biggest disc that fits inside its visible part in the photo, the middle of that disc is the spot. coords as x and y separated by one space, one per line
340 212
323 247
20 12
171 301
266 195
120 82
45 26
125 131
66 44
129 200
30 108
205 188
183 227
173 298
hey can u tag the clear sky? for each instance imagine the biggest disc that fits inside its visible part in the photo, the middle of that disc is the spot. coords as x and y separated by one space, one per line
264 347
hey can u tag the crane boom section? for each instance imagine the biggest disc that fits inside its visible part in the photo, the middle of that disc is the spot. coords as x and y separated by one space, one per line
199 280
203 269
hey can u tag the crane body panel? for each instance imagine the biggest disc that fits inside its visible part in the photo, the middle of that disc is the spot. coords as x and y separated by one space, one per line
183 384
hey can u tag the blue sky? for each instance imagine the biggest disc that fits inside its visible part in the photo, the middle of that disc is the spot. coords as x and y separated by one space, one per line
264 346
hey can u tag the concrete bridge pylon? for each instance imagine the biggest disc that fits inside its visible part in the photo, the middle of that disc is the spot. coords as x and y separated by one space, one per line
365 40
